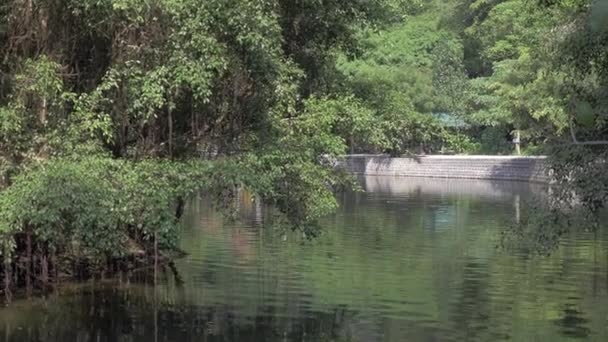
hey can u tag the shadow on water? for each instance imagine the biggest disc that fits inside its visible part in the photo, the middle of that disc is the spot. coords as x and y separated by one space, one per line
470 312
132 315
573 323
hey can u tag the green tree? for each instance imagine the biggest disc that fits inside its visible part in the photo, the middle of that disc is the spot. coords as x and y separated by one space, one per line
159 85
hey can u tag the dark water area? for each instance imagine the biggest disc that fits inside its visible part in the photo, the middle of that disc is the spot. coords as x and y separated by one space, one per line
409 260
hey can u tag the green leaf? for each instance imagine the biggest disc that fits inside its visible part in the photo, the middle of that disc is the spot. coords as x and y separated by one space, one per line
585 114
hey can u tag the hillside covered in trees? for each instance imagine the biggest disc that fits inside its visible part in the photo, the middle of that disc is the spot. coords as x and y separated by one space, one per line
113 111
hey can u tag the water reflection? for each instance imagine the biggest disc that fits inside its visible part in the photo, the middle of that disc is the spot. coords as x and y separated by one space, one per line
410 260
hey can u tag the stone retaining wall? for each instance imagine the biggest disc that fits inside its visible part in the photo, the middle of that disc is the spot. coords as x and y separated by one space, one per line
508 168
485 189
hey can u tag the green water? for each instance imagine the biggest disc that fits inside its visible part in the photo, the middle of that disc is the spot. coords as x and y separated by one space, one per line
410 260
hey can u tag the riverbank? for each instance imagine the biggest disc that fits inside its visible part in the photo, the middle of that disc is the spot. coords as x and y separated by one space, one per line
505 168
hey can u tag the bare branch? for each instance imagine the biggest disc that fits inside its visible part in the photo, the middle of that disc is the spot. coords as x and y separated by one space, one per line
575 141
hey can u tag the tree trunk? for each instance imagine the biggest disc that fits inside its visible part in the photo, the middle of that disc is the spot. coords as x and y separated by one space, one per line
179 210
28 269
155 257
7 279
54 266
170 123
44 269
42 115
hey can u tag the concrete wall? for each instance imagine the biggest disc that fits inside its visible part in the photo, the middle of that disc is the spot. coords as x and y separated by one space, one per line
439 187
508 168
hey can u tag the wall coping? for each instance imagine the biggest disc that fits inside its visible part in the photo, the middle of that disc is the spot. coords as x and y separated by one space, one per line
436 156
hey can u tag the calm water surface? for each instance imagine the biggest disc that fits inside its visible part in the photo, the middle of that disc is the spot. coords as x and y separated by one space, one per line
409 260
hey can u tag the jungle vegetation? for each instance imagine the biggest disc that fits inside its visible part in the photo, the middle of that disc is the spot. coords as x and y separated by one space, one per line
112 112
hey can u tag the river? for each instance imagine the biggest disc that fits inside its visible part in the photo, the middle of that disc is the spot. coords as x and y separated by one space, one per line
408 260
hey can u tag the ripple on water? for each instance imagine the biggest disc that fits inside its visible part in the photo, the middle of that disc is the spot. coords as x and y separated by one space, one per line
410 260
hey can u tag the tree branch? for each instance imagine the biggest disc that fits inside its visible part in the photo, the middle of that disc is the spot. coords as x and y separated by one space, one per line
575 141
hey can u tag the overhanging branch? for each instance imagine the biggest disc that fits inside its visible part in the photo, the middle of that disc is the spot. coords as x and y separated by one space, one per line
575 141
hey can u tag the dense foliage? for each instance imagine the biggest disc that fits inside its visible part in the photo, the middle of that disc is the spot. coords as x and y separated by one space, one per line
471 75
113 111
540 68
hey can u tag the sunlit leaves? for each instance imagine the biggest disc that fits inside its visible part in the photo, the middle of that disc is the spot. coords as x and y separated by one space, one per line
96 205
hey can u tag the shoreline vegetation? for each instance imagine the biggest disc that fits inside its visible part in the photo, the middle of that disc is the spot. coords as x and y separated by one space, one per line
113 111
90 219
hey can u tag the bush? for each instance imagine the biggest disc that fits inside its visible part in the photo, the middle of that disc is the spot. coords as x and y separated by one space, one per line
494 140
96 209
460 143
80 215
